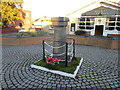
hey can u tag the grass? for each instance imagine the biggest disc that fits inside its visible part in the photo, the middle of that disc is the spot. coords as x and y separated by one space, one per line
61 66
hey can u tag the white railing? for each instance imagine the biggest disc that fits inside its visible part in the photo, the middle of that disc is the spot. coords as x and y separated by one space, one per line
49 48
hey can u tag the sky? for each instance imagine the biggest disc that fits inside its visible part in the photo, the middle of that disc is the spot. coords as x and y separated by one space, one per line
54 8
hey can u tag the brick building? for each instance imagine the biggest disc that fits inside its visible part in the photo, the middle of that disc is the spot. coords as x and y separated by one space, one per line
43 23
17 24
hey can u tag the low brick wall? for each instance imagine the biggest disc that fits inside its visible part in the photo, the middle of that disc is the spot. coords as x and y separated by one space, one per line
96 41
9 30
92 41
24 41
115 44
33 40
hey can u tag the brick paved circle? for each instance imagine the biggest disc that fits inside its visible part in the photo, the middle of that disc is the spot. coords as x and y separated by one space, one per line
99 69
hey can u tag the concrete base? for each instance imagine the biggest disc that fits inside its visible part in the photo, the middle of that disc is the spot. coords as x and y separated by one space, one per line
59 72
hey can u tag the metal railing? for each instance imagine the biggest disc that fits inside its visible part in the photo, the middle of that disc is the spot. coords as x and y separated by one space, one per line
67 53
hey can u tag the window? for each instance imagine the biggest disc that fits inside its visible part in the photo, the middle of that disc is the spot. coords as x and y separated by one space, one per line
86 23
112 19
87 19
82 23
118 28
111 23
118 23
82 19
111 28
82 27
72 27
118 19
89 27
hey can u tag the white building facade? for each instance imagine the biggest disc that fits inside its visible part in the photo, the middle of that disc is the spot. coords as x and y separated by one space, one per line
98 18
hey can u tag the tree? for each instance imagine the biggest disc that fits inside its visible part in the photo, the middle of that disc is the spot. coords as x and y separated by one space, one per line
10 12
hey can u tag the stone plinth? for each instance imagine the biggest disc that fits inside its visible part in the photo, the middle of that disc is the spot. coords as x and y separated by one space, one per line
59 24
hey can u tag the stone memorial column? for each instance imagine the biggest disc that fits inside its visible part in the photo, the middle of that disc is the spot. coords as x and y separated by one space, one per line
59 24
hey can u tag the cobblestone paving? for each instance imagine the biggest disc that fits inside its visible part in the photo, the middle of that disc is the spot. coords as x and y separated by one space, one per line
98 70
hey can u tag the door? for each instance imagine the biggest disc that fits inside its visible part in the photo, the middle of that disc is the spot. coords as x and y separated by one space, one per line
72 27
99 30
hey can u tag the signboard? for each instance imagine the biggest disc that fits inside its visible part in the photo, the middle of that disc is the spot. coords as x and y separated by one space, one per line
100 21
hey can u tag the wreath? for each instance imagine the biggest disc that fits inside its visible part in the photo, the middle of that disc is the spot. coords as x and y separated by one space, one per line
52 61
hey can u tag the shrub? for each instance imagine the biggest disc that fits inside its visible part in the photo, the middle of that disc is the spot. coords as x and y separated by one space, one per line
22 34
79 32
42 32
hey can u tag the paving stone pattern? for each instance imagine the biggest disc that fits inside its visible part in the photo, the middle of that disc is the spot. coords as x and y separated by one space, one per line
98 70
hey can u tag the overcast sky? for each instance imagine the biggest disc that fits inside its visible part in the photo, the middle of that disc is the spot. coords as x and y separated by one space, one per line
51 8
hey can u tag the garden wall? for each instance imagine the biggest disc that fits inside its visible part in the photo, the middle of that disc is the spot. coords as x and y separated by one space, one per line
98 41
9 30
111 43
24 41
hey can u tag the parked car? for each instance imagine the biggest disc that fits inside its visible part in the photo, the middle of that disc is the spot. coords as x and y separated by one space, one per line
23 30
27 30
32 30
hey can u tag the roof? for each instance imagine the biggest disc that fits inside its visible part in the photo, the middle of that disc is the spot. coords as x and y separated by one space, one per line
100 11
105 2
42 18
